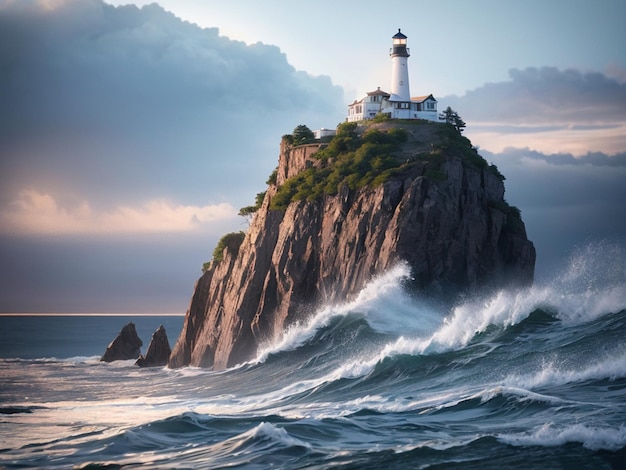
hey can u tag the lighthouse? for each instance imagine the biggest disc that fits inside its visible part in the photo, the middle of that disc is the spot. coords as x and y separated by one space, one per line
399 69
398 103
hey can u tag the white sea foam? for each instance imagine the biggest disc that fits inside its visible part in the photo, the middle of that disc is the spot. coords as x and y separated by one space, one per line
549 435
611 367
377 297
592 284
276 434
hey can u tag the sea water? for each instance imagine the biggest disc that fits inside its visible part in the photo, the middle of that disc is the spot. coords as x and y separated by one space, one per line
522 378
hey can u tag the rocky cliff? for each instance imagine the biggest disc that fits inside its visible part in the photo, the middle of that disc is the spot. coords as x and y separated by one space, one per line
431 201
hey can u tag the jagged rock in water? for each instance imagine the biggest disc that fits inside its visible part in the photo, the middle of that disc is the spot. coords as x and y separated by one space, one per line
126 345
445 217
158 351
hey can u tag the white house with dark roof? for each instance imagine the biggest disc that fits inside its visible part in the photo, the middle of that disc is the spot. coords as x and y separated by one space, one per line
398 104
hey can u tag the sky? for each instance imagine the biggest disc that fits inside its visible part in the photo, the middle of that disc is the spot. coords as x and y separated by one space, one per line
132 132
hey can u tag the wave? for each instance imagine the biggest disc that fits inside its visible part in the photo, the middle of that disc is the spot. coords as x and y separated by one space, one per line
611 367
548 435
590 286
382 302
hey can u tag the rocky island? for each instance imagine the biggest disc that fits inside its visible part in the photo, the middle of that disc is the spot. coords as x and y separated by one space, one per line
338 213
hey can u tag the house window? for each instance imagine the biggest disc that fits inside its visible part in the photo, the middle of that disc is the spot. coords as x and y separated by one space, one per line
430 105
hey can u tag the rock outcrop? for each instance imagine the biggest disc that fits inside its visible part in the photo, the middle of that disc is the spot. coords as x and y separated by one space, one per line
158 352
126 345
447 220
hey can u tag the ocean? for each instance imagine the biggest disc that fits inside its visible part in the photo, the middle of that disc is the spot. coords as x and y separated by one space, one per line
521 378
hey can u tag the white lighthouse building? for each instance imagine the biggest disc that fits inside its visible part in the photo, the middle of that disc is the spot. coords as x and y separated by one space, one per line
399 69
398 104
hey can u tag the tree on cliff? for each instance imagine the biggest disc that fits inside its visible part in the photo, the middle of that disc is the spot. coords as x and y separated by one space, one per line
248 211
302 134
452 117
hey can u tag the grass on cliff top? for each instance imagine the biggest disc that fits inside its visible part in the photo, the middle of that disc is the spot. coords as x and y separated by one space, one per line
359 157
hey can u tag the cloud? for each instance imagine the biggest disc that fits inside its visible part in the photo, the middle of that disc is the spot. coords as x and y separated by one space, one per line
521 155
124 122
121 103
35 213
548 109
548 95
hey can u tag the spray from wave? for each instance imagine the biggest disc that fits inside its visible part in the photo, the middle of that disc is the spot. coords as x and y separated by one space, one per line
382 302
591 285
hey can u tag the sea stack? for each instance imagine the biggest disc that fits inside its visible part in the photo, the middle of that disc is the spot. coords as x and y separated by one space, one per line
337 214
158 351
126 345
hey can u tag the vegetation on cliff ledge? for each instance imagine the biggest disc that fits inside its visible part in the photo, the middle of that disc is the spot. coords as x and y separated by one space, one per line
370 157
349 159
232 241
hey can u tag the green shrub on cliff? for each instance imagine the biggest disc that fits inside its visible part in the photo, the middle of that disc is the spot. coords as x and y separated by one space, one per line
349 159
300 135
232 241
372 158
454 143
248 211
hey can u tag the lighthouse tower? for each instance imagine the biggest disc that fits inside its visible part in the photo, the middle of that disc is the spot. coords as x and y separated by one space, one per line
398 103
399 69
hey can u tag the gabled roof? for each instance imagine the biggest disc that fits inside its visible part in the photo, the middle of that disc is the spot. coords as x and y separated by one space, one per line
377 92
421 99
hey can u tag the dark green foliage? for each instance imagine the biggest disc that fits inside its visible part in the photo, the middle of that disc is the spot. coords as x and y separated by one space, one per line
347 129
248 211
495 171
452 117
232 241
302 135
259 199
347 160
433 169
453 143
370 159
381 117
272 178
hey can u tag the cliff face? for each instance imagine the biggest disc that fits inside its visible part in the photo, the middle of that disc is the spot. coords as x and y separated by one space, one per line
455 232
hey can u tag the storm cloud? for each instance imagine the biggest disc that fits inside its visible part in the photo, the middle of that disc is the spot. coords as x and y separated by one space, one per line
111 104
547 109
128 139
547 96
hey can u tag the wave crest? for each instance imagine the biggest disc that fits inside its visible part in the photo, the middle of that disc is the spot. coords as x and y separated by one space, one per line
593 438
